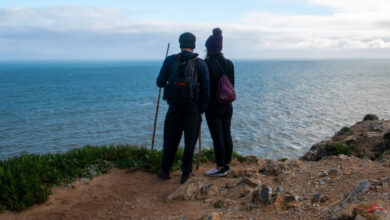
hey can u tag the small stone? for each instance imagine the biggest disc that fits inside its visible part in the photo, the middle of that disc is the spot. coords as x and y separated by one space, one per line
232 182
84 180
290 198
333 171
320 182
251 182
316 198
211 216
384 184
325 172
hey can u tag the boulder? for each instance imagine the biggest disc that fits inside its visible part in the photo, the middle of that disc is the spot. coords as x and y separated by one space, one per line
368 139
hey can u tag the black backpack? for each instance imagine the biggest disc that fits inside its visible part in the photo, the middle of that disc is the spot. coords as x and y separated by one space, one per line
182 86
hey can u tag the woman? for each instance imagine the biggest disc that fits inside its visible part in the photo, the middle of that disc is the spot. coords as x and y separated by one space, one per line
218 115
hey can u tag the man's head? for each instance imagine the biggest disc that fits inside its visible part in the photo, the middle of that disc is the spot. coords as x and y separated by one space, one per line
187 41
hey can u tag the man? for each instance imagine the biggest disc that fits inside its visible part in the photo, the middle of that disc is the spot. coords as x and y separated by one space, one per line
186 83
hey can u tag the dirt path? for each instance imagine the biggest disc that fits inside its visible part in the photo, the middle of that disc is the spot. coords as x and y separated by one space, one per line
139 195
116 195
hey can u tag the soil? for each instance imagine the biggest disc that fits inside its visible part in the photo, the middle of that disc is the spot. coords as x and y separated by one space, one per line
127 194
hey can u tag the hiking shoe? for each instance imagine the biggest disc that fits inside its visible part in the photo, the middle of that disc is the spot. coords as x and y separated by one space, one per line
219 172
185 177
163 174
211 171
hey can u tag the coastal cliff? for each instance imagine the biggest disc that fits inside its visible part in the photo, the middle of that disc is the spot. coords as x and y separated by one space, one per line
344 177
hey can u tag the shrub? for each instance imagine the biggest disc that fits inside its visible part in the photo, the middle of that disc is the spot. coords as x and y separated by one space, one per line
341 149
344 130
370 117
283 159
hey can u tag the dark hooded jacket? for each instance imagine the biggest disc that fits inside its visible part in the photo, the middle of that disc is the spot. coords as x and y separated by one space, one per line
203 77
217 66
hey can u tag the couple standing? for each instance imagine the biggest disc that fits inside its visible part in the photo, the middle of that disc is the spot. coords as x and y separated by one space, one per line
190 88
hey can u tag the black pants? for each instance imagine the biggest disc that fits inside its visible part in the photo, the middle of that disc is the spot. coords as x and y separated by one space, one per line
178 119
219 119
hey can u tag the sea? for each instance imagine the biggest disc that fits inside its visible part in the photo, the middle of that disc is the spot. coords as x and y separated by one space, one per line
283 107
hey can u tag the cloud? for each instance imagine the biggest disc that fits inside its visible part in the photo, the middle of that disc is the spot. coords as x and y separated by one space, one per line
84 32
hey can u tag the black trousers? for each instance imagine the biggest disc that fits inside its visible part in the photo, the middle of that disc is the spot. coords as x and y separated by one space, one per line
219 119
178 119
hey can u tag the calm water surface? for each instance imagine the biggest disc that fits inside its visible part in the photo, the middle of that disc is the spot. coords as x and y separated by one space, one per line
282 107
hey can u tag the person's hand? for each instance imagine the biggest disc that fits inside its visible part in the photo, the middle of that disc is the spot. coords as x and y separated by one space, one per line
201 116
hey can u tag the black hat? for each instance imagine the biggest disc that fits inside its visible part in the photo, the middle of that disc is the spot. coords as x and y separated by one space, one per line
187 40
214 42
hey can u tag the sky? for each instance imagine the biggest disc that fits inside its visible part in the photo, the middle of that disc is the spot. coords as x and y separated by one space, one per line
141 30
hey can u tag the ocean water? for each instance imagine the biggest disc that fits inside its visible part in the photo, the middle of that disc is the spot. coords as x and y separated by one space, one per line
282 108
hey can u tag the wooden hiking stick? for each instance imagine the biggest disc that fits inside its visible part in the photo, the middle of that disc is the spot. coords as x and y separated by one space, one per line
158 104
200 146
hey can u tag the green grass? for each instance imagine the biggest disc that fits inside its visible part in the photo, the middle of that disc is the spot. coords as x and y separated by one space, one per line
283 159
344 130
341 149
26 179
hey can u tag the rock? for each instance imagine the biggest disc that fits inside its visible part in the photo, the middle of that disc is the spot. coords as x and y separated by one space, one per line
316 198
252 182
239 191
340 208
263 193
232 182
70 186
359 217
342 156
289 197
362 187
223 203
372 211
278 199
272 168
211 190
333 171
317 152
235 173
211 216
370 117
84 181
190 190
369 139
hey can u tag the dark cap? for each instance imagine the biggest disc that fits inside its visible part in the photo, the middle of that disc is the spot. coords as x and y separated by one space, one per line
187 40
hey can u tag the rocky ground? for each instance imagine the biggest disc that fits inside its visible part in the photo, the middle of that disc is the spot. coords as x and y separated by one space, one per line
327 187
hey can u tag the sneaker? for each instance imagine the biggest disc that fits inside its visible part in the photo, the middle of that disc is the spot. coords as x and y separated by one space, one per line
211 171
163 174
219 172
185 177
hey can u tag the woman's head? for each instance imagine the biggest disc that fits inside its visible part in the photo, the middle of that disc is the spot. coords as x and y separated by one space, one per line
214 42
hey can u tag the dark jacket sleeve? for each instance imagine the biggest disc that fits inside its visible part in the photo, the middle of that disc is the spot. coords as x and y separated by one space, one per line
231 67
163 76
204 86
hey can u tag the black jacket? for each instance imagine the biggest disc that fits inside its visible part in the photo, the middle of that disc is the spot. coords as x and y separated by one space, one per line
203 77
218 66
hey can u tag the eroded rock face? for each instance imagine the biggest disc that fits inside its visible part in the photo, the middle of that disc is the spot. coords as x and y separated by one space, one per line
368 139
